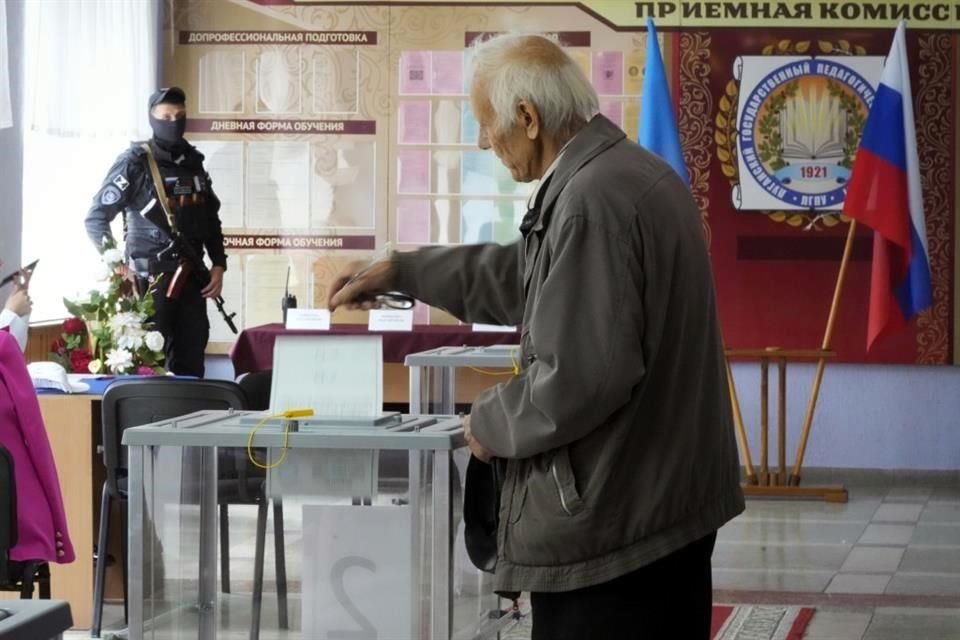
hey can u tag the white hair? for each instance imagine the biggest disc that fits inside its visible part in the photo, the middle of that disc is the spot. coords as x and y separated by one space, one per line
549 79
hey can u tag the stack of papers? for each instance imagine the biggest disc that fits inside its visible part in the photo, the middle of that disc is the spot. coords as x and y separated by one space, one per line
50 376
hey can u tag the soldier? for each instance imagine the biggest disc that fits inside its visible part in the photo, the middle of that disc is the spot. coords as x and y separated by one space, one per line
148 233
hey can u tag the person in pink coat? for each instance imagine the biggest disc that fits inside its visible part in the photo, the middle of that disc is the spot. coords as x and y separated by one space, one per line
41 522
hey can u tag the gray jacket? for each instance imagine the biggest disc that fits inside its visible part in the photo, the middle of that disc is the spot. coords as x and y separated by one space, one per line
617 431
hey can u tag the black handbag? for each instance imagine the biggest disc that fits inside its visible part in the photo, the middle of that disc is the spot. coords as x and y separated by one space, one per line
481 516
481 509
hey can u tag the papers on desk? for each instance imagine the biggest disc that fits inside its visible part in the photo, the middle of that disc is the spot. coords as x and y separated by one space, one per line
333 375
50 376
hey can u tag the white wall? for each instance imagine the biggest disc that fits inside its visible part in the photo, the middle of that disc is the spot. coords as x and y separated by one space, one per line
868 416
11 144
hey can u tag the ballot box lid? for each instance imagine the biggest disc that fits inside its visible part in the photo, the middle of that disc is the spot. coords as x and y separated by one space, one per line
500 355
233 428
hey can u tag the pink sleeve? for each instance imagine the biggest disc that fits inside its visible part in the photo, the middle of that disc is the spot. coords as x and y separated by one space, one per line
13 368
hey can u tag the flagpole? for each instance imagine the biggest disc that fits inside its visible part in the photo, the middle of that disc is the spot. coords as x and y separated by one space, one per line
738 423
824 347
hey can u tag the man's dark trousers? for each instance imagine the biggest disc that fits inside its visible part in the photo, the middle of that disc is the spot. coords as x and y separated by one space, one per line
185 327
670 598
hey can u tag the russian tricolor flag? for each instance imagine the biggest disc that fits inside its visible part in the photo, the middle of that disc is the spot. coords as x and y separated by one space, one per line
884 193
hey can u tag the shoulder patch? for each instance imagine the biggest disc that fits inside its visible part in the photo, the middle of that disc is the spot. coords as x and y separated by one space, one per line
121 182
110 195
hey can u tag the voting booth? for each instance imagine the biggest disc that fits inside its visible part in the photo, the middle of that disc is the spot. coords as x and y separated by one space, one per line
372 506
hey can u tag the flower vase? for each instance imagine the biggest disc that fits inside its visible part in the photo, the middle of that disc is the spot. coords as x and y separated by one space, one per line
92 326
97 350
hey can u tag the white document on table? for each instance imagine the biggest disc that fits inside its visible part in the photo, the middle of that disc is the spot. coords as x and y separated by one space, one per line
334 375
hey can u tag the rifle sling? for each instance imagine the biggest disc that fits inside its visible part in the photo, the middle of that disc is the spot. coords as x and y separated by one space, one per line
159 186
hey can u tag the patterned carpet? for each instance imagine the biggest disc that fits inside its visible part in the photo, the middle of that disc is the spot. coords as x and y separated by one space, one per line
760 622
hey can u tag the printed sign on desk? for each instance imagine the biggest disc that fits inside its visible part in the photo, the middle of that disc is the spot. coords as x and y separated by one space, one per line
391 320
357 572
492 328
316 319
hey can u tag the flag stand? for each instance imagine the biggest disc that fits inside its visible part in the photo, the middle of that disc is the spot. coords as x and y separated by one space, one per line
778 483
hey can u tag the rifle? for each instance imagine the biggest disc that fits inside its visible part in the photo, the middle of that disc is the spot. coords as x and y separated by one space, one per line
191 263
190 260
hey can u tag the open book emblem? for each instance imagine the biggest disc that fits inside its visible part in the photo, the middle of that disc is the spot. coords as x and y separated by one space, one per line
799 123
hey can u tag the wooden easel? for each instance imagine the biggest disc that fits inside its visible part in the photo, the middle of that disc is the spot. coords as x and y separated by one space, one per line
778 484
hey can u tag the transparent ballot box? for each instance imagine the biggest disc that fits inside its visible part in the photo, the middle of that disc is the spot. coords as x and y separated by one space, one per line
354 530
433 376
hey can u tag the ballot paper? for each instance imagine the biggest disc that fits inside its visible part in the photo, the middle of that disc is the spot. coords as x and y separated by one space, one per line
334 375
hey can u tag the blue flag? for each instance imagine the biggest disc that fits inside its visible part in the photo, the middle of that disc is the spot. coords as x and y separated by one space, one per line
658 128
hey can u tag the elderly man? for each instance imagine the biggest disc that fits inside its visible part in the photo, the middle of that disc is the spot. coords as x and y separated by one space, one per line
615 439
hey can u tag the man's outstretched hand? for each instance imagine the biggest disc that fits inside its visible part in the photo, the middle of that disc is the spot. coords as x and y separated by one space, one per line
357 285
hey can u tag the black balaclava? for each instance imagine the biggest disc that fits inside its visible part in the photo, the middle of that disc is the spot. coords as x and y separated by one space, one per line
167 134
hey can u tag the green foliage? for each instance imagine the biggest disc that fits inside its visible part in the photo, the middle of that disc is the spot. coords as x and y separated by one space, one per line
108 331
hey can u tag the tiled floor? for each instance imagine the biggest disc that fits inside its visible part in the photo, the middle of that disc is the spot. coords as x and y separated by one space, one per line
884 566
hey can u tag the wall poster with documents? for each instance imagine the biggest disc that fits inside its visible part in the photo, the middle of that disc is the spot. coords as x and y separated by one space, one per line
334 128
331 130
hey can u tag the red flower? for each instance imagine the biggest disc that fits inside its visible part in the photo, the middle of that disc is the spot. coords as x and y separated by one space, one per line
144 370
58 345
72 326
80 361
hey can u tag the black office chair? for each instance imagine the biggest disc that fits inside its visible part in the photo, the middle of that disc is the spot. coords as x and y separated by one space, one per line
129 403
16 575
256 389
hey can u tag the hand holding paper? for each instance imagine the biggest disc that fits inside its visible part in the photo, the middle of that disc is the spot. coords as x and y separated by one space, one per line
19 301
20 278
359 283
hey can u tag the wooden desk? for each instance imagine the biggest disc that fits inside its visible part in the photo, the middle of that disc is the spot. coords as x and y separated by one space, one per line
73 427
253 350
